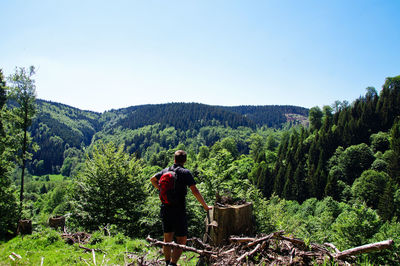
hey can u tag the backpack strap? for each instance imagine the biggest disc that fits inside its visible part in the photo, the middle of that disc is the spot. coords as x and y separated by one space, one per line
173 169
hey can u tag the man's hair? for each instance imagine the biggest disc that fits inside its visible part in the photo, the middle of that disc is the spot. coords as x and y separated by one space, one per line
180 157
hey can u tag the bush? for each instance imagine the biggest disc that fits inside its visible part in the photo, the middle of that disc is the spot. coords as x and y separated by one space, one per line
97 237
370 186
355 226
52 236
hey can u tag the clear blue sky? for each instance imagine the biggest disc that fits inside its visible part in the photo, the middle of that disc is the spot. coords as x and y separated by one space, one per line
101 55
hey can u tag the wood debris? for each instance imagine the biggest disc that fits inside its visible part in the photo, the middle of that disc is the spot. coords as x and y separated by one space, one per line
272 249
14 256
79 238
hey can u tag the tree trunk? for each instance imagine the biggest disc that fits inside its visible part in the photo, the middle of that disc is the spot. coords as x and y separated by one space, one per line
24 227
230 220
24 149
57 222
365 249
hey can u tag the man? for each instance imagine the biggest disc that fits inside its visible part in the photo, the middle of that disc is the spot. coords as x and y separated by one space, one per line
174 219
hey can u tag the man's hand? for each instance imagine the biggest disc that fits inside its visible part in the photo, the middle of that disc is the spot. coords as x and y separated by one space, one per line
208 208
200 198
154 182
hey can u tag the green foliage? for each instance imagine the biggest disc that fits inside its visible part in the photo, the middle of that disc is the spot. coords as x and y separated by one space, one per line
58 127
110 190
97 237
370 186
8 209
8 204
23 92
315 117
61 131
389 230
355 226
354 160
380 142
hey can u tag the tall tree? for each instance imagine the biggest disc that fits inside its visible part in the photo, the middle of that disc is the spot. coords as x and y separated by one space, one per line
394 165
315 117
3 96
23 92
8 204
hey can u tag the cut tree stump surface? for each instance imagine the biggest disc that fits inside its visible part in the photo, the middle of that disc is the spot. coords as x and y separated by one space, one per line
228 220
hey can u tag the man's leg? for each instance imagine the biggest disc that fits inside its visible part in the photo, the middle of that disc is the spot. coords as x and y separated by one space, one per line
177 252
168 237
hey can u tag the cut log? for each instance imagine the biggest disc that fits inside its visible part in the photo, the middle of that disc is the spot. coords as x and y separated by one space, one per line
230 220
175 245
24 227
57 222
364 249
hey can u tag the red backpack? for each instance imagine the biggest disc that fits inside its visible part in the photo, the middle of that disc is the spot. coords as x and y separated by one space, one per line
167 184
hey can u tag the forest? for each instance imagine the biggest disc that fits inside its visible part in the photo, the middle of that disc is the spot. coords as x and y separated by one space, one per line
329 174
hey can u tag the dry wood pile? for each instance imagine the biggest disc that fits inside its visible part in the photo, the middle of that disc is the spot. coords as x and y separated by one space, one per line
275 249
79 237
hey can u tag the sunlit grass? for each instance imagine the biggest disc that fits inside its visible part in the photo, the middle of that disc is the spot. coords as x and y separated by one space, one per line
48 246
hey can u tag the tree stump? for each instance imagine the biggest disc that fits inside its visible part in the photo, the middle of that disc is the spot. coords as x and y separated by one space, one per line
229 220
57 221
24 227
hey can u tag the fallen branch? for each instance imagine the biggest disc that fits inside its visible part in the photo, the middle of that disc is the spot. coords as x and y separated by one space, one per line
294 241
183 247
14 254
241 239
275 249
92 249
199 242
265 238
248 254
332 246
364 249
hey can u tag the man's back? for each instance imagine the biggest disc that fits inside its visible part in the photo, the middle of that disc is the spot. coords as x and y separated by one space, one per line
183 181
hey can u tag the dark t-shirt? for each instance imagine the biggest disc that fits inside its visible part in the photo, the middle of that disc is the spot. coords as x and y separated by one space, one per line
184 180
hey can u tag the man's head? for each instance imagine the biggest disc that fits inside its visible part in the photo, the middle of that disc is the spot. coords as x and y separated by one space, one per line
180 157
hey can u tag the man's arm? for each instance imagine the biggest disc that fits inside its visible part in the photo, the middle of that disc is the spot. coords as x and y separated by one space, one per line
154 182
199 197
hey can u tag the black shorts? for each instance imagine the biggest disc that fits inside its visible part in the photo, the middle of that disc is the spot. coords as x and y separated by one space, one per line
174 220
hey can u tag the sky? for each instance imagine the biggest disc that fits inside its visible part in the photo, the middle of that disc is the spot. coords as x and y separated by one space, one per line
103 55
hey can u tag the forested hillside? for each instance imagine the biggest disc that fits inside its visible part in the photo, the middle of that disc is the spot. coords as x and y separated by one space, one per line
59 130
62 131
270 115
351 152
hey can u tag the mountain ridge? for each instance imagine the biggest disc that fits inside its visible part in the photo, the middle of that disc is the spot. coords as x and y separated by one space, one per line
60 129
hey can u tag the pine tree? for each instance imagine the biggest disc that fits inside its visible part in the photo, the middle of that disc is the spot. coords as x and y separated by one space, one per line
386 206
8 204
394 165
280 165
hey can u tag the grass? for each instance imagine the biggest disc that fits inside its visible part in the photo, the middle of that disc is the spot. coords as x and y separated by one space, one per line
49 247
54 178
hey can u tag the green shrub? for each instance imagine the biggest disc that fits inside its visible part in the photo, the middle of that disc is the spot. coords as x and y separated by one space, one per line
119 239
355 227
52 236
97 237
